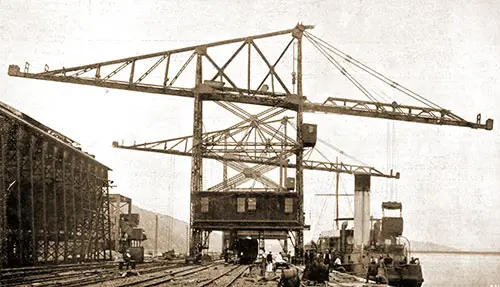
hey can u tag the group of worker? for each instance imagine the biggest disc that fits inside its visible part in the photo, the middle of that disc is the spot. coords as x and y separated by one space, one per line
319 265
376 266
331 259
270 262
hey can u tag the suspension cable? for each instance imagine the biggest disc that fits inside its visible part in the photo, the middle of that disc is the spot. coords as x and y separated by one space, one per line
342 70
372 72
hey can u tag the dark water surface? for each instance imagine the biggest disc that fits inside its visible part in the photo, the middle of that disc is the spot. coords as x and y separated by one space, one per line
460 269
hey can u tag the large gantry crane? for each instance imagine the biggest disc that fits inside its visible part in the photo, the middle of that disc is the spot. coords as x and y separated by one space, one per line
281 89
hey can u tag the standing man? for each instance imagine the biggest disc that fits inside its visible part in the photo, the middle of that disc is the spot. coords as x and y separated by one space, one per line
327 258
262 261
269 260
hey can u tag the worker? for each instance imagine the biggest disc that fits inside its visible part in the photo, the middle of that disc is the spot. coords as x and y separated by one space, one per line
387 260
332 261
279 262
269 260
269 257
327 259
372 270
262 261
319 271
260 255
337 263
127 257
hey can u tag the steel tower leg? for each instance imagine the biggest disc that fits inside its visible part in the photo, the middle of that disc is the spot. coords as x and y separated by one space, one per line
195 242
299 177
3 197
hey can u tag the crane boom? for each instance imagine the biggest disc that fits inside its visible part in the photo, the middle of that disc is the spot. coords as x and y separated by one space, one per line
392 111
93 75
307 164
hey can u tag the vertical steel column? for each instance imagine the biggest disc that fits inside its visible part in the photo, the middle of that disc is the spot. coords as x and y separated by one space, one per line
81 212
54 203
337 198
93 216
20 233
88 213
44 203
34 249
300 151
3 197
197 160
104 213
108 222
129 207
94 211
65 207
224 165
117 205
73 205
249 62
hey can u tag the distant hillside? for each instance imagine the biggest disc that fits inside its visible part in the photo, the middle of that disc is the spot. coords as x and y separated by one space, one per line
180 229
429 246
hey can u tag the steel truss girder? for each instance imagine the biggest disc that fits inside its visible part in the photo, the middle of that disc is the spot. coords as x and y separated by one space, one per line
79 75
307 164
245 95
181 146
394 111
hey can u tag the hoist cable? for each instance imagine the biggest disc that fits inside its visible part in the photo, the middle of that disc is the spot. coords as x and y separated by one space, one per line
372 72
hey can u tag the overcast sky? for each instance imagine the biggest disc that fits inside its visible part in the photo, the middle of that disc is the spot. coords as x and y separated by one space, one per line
448 51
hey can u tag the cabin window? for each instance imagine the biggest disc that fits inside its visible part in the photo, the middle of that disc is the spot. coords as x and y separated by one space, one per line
288 205
252 203
240 206
204 204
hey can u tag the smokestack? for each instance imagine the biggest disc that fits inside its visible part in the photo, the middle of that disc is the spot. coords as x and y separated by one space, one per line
361 210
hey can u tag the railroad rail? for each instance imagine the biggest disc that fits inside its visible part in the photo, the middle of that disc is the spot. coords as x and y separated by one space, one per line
240 270
73 274
166 277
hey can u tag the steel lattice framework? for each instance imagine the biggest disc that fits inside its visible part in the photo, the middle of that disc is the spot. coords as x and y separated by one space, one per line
54 199
228 85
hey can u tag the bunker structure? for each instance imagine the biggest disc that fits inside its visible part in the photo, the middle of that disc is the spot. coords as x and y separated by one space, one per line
53 196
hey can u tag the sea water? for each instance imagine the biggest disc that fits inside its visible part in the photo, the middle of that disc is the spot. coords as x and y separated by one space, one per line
460 269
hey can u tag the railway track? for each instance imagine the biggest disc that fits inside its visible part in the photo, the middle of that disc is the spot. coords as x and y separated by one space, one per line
191 276
36 270
107 274
166 277
226 279
71 274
